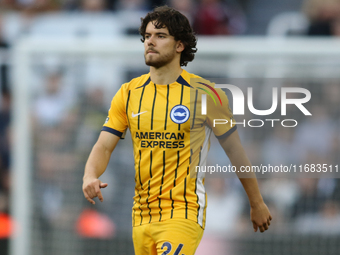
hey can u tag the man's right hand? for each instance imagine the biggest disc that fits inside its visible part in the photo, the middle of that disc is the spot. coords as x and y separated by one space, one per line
91 189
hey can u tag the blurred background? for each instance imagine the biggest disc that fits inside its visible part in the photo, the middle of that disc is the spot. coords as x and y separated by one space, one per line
61 62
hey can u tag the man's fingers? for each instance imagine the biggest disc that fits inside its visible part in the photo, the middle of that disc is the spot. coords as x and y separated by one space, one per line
262 229
99 194
265 226
88 198
103 185
91 201
89 193
255 226
261 218
92 190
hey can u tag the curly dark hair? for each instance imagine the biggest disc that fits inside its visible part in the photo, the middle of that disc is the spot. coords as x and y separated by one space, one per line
178 26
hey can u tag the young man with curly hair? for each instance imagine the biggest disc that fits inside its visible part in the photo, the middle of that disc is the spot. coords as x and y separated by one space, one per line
170 201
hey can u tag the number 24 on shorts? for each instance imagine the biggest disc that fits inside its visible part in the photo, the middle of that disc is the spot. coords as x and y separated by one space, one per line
169 247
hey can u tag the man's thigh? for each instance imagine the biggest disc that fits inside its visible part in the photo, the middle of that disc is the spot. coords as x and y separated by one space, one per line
142 240
176 236
170 237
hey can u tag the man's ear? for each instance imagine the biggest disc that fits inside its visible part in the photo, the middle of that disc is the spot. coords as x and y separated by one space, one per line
179 47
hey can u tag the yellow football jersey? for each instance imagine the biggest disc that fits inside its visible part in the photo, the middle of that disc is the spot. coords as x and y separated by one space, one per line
170 138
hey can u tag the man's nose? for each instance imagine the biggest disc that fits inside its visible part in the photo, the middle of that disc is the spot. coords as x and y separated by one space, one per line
151 41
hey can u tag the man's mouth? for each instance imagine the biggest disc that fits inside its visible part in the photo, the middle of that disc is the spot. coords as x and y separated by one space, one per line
151 51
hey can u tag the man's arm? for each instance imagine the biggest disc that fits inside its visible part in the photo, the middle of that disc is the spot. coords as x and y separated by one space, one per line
259 213
96 165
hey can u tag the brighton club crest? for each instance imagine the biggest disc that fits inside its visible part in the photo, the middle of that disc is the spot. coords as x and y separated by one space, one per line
179 114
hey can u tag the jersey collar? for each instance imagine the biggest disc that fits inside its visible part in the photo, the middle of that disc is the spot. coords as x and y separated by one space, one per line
181 80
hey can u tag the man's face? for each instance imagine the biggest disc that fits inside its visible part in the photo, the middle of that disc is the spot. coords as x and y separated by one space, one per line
160 47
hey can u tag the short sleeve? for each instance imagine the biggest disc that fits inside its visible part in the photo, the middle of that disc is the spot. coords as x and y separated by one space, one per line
219 115
116 121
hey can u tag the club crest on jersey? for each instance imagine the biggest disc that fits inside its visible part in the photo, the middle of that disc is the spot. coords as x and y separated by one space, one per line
179 114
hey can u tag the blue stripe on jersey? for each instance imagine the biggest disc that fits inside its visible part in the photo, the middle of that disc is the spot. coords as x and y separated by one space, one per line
113 131
181 80
145 83
228 133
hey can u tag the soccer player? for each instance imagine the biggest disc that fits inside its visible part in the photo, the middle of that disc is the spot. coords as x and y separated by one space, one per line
170 201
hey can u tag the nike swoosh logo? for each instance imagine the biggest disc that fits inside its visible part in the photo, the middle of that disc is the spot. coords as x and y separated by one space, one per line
135 115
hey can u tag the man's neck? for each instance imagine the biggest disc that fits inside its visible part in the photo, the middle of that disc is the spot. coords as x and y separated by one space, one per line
165 74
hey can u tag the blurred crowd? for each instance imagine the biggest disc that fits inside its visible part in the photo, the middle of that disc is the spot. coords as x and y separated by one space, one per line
66 122
208 17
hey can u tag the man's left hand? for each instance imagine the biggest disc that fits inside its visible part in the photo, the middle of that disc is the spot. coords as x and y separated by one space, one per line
260 216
